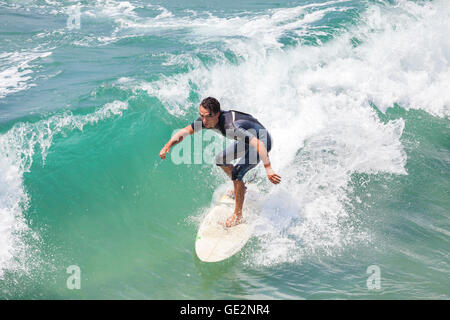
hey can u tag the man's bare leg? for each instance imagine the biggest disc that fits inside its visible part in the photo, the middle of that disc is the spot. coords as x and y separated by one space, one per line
228 168
239 195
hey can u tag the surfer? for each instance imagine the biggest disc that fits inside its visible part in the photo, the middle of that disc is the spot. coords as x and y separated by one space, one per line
252 145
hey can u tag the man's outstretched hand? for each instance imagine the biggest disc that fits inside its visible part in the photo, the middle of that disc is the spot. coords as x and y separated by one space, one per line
165 150
273 177
177 138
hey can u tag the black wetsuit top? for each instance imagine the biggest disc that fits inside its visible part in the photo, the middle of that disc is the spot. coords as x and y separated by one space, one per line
235 125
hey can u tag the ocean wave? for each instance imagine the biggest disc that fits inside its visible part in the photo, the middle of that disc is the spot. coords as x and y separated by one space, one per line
17 150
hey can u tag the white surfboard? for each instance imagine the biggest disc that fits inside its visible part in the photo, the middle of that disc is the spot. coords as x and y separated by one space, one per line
215 242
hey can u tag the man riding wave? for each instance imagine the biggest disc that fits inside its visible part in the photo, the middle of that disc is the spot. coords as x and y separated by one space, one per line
252 145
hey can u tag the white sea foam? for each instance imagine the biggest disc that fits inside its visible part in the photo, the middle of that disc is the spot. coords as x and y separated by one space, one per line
200 27
112 9
405 56
17 149
16 71
266 28
402 57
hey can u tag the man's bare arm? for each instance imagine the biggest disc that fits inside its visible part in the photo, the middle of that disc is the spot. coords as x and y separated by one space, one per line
177 138
264 155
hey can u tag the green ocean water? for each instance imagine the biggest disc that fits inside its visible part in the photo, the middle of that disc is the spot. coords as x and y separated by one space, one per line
354 93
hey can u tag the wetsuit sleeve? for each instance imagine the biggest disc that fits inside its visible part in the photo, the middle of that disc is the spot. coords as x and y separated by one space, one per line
197 125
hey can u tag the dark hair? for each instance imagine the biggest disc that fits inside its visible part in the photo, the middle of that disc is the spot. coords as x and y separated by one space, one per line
211 104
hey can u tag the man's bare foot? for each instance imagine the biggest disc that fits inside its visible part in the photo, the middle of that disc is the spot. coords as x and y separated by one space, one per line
234 220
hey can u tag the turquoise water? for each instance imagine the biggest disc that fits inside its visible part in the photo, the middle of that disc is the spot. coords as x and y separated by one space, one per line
354 93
